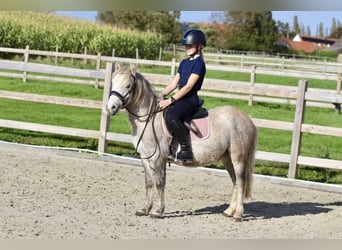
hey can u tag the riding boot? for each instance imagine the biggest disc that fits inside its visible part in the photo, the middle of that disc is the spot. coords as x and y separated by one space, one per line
173 149
183 136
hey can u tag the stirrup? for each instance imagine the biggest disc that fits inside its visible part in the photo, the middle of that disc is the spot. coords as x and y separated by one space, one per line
173 147
187 158
183 161
171 157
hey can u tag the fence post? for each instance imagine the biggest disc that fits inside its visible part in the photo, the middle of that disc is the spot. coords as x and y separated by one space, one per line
173 67
252 82
339 83
98 67
160 53
137 53
338 91
26 59
85 53
56 56
325 65
105 117
297 127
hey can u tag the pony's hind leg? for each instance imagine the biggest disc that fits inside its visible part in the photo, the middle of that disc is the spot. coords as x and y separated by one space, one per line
227 162
236 172
239 191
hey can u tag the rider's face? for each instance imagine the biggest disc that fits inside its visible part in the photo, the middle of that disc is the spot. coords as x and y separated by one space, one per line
190 49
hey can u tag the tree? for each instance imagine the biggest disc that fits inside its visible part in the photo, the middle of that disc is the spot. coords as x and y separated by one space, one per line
337 33
296 28
308 30
283 30
251 30
217 16
164 22
336 29
302 29
320 30
334 25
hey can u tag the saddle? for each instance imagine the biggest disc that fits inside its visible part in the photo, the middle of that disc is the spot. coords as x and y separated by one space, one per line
198 125
201 112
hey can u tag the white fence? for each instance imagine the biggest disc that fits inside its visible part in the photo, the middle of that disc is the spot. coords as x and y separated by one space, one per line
253 66
301 96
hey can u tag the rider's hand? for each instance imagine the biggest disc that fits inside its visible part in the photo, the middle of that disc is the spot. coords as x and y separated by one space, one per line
164 103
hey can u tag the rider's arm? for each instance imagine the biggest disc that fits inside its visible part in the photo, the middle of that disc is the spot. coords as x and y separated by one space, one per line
188 86
172 85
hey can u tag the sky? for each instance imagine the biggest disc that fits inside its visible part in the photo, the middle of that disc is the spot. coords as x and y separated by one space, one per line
306 18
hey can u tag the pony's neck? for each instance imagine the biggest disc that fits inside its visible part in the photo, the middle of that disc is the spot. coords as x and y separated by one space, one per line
142 108
140 115
144 100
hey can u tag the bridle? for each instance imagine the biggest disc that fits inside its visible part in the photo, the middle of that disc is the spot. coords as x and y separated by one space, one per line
150 116
129 93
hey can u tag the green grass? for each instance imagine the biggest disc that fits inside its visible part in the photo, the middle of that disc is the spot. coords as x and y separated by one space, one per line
51 88
271 140
245 77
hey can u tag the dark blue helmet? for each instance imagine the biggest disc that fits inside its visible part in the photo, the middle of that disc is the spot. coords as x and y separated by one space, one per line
194 37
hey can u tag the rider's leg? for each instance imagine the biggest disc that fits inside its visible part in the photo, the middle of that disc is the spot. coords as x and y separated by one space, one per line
183 136
173 148
180 111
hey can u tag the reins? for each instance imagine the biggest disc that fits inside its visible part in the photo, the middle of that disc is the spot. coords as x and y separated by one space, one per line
149 116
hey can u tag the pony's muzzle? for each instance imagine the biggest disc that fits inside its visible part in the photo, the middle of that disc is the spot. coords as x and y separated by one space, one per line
112 110
113 105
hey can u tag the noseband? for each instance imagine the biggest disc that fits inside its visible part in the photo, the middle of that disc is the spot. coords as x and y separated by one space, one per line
129 93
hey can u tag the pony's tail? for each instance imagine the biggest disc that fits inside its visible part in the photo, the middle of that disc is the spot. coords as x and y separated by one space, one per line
248 175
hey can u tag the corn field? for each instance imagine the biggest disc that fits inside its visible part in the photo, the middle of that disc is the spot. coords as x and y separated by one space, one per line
47 31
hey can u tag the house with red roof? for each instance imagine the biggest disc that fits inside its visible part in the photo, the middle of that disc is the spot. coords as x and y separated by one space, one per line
308 44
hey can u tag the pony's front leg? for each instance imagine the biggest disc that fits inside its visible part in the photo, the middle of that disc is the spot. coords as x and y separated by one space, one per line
160 178
149 183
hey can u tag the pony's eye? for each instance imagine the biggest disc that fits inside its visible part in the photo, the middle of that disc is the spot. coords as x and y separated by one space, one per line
128 87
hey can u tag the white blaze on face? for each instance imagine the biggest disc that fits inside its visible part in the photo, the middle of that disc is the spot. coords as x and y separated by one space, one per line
120 84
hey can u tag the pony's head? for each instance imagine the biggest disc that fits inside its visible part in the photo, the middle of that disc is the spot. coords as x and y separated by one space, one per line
122 88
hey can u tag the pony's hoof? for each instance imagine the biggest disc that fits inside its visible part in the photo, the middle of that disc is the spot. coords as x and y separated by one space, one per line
236 219
157 216
141 213
226 215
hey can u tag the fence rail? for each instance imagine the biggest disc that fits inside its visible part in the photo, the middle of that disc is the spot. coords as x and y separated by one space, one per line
254 67
312 69
301 95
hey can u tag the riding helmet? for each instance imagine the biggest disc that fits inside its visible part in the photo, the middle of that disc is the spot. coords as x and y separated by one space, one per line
194 37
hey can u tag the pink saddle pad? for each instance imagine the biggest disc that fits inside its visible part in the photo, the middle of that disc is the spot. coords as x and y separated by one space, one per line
199 128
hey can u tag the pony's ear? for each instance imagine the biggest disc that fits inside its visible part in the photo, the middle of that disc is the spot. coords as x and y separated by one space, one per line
134 68
117 66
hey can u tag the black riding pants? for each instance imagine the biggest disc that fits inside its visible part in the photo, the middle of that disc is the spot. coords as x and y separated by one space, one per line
182 110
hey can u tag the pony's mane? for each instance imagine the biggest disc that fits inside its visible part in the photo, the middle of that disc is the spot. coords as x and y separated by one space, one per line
122 69
143 88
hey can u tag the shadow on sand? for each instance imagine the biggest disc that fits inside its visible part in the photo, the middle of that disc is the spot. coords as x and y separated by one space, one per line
264 210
